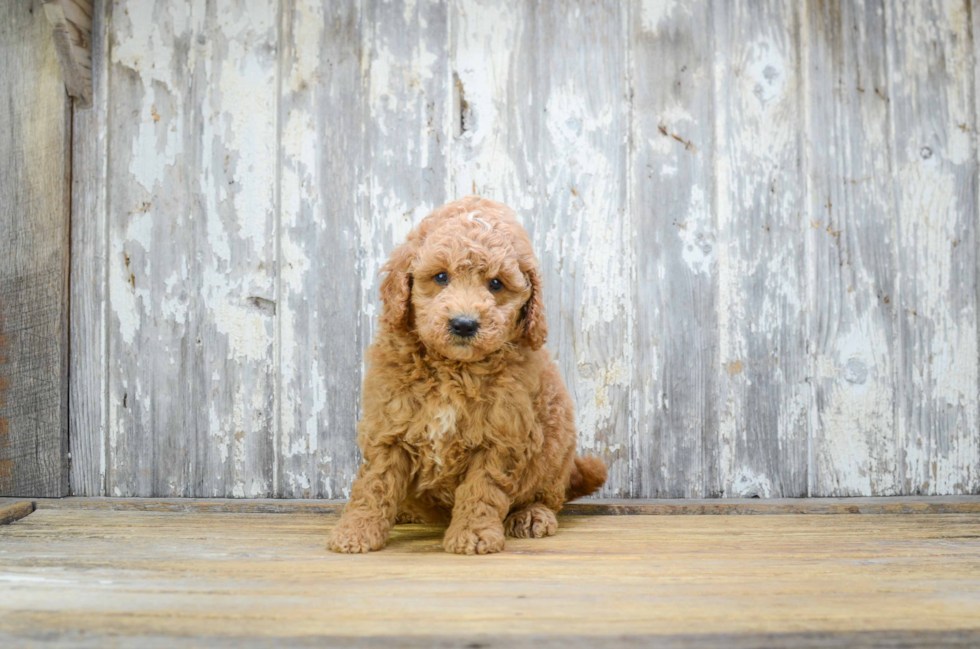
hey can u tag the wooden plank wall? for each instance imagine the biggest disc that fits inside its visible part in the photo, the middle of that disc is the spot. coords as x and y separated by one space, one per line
35 173
757 222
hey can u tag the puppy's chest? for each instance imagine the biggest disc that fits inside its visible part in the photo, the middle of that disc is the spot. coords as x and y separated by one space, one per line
442 439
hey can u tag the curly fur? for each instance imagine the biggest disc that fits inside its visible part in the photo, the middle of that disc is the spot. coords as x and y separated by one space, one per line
476 432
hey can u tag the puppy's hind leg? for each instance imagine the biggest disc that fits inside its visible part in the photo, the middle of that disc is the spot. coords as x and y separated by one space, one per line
532 521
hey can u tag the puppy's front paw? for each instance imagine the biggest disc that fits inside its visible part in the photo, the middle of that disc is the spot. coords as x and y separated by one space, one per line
531 522
354 535
483 539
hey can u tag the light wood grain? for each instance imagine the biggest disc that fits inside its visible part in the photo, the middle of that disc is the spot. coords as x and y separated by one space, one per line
214 576
35 172
959 638
583 507
192 259
87 378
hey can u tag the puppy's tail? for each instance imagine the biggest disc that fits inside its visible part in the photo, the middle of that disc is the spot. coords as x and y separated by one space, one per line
588 474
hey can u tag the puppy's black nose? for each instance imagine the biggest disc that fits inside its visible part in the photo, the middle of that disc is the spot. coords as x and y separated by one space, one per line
463 327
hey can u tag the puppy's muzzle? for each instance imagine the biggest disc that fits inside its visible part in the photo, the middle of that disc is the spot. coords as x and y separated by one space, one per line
464 327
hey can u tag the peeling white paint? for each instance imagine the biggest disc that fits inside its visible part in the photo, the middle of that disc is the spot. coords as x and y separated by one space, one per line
555 148
319 397
747 484
697 235
217 431
765 88
122 298
249 337
655 12
239 431
484 43
157 142
593 412
578 137
944 348
306 43
251 132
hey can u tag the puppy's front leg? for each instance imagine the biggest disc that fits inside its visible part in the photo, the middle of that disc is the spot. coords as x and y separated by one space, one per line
477 526
381 484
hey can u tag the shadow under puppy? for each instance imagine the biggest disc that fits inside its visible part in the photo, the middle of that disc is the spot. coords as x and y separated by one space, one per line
466 418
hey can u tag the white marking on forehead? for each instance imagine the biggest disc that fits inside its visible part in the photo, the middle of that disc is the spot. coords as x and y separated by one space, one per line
475 216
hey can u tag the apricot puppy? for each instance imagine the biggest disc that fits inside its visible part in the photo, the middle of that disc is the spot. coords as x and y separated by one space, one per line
466 419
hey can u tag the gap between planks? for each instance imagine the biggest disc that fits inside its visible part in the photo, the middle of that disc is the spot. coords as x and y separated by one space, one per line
595 507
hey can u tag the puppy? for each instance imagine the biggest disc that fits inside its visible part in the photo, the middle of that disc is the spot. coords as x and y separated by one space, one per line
466 419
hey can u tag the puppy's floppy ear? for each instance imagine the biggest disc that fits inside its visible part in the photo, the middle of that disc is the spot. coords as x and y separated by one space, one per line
535 327
396 287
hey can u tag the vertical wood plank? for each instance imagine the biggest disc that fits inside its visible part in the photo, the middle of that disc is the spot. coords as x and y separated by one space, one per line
544 99
974 32
87 376
373 88
676 279
35 132
192 257
319 65
322 202
496 133
761 445
851 215
932 99
583 228
407 104
407 109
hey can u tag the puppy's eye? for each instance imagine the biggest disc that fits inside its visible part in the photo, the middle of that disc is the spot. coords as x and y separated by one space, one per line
441 279
496 285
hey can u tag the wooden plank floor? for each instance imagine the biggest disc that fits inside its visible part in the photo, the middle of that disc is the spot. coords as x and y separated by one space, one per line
586 506
141 578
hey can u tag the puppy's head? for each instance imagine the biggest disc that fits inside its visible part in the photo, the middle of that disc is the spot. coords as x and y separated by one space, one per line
466 282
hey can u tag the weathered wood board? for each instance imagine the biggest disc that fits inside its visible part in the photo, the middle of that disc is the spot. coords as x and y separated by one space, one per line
932 97
545 129
192 186
128 578
35 173
322 168
675 365
71 21
89 229
760 444
756 220
851 262
582 507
